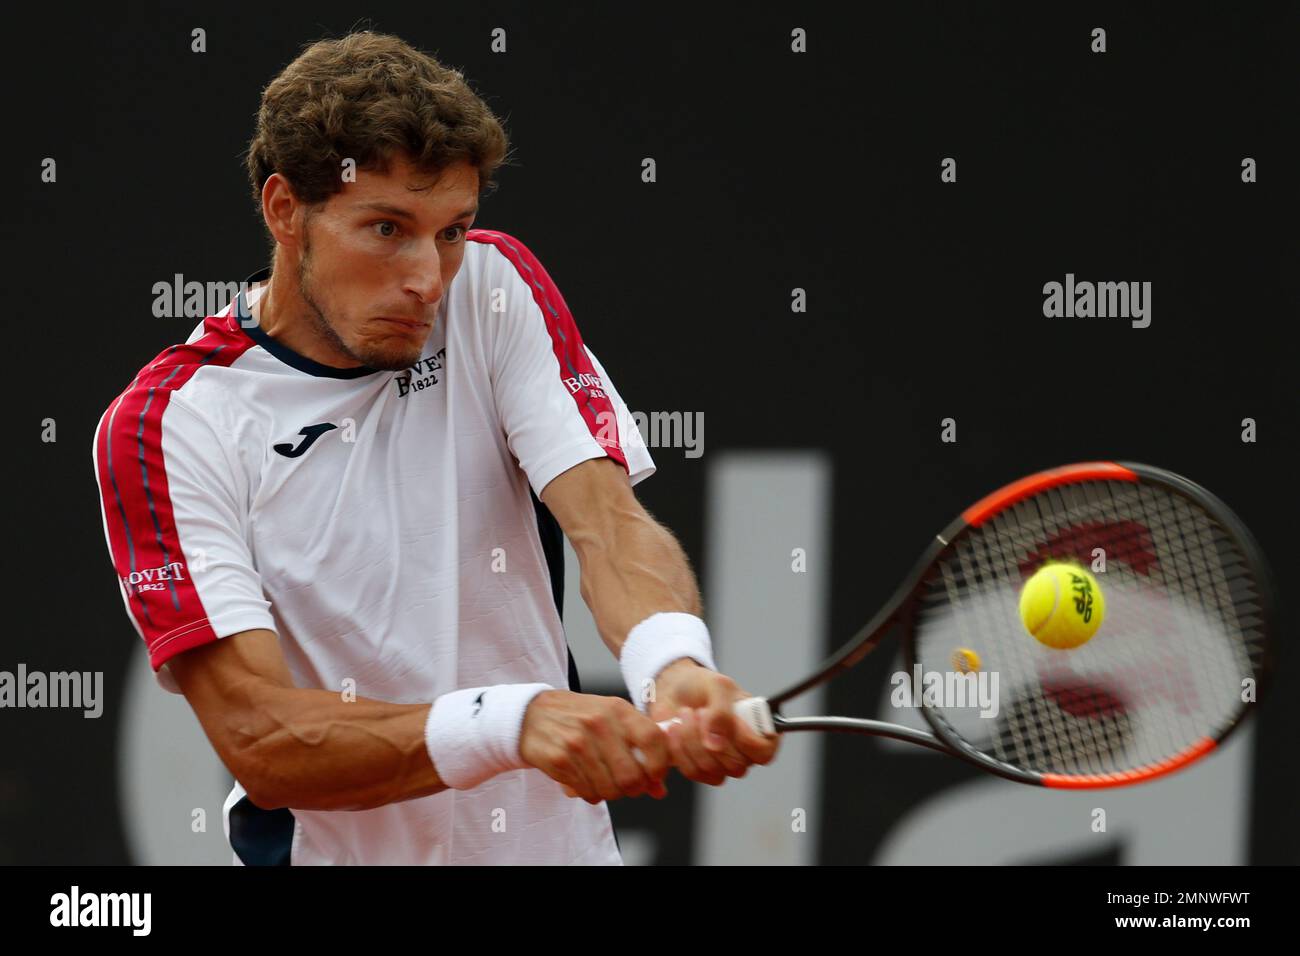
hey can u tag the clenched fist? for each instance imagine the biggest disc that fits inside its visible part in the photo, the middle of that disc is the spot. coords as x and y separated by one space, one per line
589 743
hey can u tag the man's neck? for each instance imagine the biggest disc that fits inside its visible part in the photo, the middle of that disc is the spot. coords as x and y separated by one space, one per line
266 314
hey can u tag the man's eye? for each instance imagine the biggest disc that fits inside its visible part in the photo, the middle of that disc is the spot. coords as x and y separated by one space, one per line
388 223
462 229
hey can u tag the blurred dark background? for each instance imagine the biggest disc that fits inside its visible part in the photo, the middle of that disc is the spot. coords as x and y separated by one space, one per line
776 170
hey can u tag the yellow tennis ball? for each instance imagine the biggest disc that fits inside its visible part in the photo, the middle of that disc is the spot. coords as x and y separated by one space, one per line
965 661
1062 605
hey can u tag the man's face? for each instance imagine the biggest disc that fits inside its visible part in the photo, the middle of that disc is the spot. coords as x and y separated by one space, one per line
377 257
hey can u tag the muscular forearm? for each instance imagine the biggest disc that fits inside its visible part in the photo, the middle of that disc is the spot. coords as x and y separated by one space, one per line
312 750
632 568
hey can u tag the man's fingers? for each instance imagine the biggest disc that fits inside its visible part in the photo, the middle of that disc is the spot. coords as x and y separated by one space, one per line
601 777
626 772
719 718
708 769
596 748
576 782
618 752
608 759
634 750
609 752
755 747
681 757
652 742
719 727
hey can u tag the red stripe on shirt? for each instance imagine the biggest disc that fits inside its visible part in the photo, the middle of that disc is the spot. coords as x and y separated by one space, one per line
137 506
593 402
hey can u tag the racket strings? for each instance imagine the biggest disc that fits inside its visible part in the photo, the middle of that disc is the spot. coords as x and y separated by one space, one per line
1037 730
1183 628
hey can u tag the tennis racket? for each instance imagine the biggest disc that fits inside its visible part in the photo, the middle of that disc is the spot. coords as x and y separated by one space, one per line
1176 665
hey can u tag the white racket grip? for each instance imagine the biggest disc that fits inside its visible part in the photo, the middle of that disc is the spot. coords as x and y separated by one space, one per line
756 713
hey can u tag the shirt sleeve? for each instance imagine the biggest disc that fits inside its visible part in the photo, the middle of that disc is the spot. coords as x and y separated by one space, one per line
557 404
173 521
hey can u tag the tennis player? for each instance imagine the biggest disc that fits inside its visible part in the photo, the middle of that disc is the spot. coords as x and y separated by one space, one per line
336 511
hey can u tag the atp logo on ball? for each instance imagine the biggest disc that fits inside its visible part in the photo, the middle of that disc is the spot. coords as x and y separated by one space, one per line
1082 588
1062 605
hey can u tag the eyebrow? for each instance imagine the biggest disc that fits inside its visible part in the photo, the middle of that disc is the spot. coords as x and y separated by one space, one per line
403 214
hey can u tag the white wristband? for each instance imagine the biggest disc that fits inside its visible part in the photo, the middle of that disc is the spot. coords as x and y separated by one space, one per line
473 734
655 643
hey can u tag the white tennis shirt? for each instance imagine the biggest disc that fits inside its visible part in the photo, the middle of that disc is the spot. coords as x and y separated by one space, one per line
384 525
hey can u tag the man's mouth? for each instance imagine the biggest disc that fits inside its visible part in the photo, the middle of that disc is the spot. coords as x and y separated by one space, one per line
406 324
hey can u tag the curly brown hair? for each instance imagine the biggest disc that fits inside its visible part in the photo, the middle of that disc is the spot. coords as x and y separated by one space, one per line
368 97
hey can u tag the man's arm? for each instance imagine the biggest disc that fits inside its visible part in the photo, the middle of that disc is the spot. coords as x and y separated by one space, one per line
312 750
306 749
632 567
